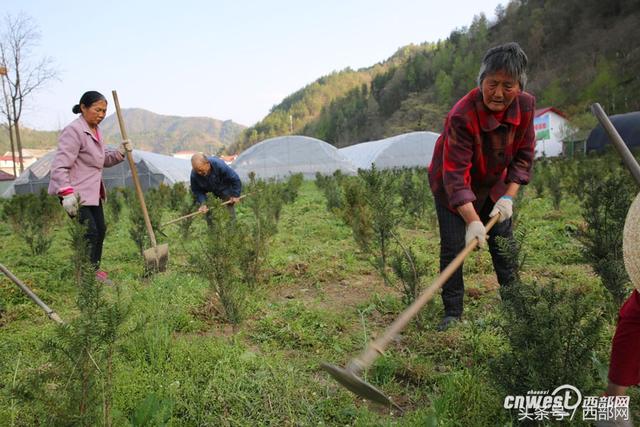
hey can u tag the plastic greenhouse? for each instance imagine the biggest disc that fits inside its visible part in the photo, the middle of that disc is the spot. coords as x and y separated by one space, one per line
406 150
285 155
153 170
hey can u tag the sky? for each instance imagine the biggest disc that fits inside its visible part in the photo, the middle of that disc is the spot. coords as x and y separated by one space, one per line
230 60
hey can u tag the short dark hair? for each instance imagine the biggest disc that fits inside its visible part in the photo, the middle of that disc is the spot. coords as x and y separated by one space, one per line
508 57
87 99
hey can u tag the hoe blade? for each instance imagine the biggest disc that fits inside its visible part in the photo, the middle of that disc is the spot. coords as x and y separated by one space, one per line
357 385
155 259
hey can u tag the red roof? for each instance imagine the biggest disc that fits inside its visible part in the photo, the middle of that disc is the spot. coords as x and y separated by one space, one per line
10 158
541 111
6 176
229 158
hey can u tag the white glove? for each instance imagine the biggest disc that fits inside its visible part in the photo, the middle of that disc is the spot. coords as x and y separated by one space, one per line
124 147
70 204
476 230
504 207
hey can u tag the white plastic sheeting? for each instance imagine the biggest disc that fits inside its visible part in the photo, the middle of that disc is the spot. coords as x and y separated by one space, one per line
285 155
153 170
413 149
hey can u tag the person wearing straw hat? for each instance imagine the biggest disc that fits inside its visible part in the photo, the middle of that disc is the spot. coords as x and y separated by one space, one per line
76 172
480 160
624 366
213 175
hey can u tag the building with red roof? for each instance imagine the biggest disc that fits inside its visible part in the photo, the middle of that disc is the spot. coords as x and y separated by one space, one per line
552 128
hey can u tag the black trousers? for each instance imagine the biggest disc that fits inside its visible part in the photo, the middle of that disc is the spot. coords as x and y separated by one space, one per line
452 233
93 218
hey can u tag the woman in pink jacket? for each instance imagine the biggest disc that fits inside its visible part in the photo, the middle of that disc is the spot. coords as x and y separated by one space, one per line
76 172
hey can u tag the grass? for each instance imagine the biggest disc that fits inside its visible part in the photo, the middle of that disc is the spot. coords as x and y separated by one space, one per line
321 301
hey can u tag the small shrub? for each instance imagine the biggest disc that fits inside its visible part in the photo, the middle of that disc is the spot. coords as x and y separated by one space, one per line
550 331
138 229
152 411
219 260
414 193
410 272
177 196
554 183
539 177
357 214
163 193
291 188
113 205
32 217
604 208
380 195
76 386
331 190
188 206
265 204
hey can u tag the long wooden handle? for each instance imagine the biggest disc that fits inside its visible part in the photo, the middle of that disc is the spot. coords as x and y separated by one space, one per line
196 213
134 172
377 347
52 314
628 159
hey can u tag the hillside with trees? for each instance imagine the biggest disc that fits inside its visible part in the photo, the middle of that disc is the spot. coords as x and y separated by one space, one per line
168 134
579 52
30 139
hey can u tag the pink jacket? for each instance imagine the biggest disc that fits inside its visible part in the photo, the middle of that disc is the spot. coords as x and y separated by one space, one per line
79 161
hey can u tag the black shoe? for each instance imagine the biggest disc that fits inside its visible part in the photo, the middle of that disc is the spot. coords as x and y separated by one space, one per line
447 322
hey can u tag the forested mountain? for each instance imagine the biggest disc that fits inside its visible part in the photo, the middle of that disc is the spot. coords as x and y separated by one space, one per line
148 131
30 139
168 134
580 51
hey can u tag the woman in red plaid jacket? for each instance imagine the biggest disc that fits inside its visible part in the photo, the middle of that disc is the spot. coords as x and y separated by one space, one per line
481 159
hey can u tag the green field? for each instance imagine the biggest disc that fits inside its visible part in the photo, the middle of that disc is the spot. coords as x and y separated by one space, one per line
178 362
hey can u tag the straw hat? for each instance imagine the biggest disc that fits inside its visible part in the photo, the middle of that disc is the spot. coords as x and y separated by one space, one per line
631 242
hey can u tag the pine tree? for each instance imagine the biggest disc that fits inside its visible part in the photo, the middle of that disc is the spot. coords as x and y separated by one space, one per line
76 387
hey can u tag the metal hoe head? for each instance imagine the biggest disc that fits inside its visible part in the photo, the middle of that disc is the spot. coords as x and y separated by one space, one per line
155 258
357 385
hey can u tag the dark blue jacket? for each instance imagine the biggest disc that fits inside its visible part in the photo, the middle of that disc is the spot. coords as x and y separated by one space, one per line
222 181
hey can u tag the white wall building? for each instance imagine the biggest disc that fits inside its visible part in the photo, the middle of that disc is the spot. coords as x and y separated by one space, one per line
552 127
29 157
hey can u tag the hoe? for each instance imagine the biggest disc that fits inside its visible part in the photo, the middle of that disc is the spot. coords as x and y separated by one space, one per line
24 288
156 257
173 221
349 376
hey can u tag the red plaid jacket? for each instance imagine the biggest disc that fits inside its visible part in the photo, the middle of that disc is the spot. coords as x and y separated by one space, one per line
476 155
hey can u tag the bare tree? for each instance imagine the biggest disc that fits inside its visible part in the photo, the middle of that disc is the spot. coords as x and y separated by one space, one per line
24 75
4 109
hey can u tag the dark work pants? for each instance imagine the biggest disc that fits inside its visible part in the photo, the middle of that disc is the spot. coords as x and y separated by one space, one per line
452 232
93 218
